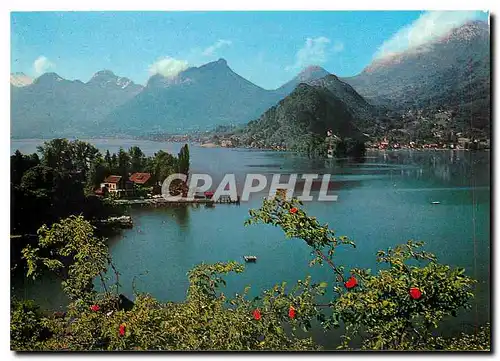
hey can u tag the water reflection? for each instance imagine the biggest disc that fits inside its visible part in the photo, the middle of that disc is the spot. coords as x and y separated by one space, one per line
447 166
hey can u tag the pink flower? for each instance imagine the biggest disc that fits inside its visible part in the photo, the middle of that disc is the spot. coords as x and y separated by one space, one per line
351 282
121 330
415 293
95 308
256 314
291 312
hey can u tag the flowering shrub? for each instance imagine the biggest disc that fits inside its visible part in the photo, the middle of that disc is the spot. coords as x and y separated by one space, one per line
399 306
351 282
396 308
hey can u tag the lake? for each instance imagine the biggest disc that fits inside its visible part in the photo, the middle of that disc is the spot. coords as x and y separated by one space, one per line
382 201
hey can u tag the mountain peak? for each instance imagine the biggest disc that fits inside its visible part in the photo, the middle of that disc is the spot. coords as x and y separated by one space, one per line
308 74
218 64
312 72
312 68
104 78
48 78
463 34
104 73
19 79
222 61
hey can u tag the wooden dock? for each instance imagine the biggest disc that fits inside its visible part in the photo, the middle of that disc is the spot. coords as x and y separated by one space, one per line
173 201
228 200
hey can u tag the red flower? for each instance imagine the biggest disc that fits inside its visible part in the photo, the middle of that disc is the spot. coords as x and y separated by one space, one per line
415 293
256 314
122 329
291 312
95 308
294 210
351 282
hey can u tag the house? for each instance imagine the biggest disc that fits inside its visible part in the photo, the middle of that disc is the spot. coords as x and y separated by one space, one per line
112 183
383 145
226 143
115 184
140 178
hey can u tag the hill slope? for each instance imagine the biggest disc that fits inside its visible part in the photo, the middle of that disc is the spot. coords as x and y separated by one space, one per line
363 113
301 120
452 72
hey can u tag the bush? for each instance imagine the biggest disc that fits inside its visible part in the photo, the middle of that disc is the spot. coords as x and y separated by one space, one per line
395 309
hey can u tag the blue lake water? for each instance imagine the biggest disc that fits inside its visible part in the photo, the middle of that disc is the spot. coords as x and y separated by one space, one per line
382 201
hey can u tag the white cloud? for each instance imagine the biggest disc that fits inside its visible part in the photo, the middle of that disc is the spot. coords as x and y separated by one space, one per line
42 65
168 67
314 52
430 26
338 46
214 47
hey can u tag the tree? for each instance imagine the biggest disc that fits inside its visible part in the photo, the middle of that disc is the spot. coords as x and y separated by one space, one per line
72 238
20 163
57 154
107 159
123 164
97 172
68 157
137 159
183 160
162 165
84 155
114 164
40 179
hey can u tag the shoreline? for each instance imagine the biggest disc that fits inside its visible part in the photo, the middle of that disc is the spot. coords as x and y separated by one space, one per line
161 201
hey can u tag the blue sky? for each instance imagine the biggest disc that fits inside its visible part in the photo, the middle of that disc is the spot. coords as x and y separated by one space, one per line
267 48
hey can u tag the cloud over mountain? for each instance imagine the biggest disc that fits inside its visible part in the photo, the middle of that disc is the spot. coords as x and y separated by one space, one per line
42 65
168 67
313 52
430 26
217 45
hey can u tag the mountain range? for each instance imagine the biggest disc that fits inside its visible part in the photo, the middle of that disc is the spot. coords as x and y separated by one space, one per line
199 97
52 106
452 72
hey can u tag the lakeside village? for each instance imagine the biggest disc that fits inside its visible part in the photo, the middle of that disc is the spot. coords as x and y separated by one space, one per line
414 129
451 140
140 189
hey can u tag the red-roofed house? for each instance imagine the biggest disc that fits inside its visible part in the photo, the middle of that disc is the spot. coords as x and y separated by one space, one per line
140 178
116 184
112 183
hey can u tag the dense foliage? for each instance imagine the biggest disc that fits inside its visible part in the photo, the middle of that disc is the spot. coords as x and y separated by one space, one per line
300 123
60 180
394 309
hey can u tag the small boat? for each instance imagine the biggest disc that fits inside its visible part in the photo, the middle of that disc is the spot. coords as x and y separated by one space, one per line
436 202
250 258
